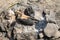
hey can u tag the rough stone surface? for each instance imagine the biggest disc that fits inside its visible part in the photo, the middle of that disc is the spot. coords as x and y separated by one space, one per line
47 12
50 29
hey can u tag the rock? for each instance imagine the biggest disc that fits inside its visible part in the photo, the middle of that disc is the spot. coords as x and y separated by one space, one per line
41 35
2 27
24 2
57 17
50 16
24 29
18 29
38 9
3 38
11 16
40 39
50 29
26 36
10 29
25 32
9 34
7 3
38 15
57 34
0 34
33 0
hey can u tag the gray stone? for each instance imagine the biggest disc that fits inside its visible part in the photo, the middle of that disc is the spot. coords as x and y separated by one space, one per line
4 38
26 36
57 34
51 7
50 29
57 17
